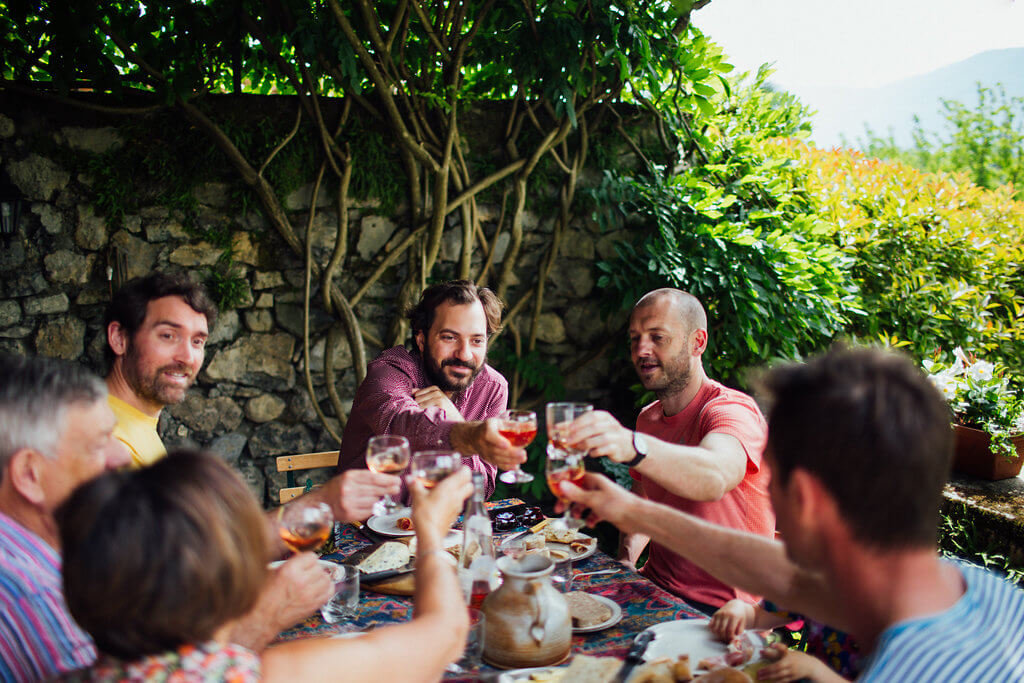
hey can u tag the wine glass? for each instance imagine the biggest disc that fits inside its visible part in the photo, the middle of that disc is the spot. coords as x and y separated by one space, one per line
564 466
430 467
304 526
519 427
387 455
559 418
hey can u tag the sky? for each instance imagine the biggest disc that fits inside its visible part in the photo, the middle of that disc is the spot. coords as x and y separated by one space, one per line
858 44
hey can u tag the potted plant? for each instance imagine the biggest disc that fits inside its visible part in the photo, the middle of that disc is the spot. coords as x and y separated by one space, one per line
988 415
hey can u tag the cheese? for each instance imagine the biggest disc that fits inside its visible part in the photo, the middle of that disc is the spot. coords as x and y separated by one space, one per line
390 555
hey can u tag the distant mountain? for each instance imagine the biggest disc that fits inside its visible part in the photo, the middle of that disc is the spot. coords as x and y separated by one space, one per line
845 111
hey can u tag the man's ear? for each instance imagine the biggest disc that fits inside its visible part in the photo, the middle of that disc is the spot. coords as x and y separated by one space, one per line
420 339
814 505
117 338
699 341
25 469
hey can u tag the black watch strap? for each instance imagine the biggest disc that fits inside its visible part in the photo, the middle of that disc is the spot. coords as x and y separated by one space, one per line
640 446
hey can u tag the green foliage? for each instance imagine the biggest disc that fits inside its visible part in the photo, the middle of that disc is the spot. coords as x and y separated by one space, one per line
960 537
731 231
985 142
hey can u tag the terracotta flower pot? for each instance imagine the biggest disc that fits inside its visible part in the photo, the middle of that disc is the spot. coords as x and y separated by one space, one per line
972 455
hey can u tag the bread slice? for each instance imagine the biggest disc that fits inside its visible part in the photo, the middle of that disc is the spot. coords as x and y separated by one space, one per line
389 555
587 669
557 534
585 610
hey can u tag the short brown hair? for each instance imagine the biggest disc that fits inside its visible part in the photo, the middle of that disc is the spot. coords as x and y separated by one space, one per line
457 292
129 304
872 428
163 556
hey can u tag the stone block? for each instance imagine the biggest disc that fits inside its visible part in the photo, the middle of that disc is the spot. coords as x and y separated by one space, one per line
195 255
140 255
12 256
207 415
580 279
213 194
67 267
273 439
264 408
266 279
262 360
228 447
300 198
51 219
61 338
38 178
290 317
265 300
577 244
17 332
164 229
95 140
47 305
244 250
259 320
226 329
550 328
10 313
25 284
374 232
342 355
91 232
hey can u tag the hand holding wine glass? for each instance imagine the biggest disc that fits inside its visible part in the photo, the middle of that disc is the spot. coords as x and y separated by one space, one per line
562 466
430 467
559 419
519 427
304 526
387 454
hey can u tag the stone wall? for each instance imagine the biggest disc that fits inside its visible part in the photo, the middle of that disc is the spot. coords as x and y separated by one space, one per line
249 403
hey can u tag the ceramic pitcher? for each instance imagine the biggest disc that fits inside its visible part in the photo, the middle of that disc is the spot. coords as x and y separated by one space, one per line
527 621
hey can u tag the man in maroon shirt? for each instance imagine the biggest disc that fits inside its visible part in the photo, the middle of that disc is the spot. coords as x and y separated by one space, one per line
441 394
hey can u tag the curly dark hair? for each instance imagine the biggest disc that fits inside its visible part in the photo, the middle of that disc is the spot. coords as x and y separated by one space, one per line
456 292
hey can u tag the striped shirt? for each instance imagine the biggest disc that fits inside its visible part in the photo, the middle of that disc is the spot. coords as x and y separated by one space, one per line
384 404
38 638
980 638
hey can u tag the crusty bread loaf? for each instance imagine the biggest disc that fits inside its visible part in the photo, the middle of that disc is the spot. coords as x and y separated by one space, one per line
587 669
389 555
585 610
724 675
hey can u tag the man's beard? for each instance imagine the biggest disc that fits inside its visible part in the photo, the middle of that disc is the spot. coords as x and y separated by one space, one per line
152 388
435 373
675 378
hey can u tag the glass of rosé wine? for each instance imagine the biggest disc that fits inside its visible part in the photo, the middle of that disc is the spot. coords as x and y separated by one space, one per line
304 526
430 467
564 466
387 455
559 421
519 427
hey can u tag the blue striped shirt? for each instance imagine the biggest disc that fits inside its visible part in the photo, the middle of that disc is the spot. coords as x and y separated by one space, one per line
38 638
980 638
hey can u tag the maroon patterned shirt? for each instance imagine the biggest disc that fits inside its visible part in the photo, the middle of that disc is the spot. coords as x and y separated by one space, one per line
384 404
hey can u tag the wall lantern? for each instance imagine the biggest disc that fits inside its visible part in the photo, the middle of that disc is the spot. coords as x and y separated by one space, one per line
10 211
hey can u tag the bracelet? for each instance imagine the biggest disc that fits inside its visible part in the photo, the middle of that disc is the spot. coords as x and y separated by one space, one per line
444 554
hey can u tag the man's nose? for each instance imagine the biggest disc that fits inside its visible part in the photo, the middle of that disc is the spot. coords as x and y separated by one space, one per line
464 351
186 352
642 348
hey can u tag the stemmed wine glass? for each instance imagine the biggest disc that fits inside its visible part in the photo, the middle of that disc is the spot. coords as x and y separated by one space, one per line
559 418
430 467
519 427
304 526
564 466
387 455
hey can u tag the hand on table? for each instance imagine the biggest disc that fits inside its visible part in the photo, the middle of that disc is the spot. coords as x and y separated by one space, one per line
352 493
792 665
482 437
433 397
602 436
732 619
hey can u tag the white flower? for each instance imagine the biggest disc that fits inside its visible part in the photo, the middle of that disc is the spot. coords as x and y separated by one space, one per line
981 371
945 383
961 361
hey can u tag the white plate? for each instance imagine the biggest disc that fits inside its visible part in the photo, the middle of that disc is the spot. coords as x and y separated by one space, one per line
385 524
610 621
564 547
523 675
688 637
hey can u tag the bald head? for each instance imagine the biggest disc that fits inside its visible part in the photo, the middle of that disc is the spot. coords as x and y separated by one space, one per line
686 306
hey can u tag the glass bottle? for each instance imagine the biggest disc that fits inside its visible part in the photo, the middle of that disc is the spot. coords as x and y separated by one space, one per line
477 571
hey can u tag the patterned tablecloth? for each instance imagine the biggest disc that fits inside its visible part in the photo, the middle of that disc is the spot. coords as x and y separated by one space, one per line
643 604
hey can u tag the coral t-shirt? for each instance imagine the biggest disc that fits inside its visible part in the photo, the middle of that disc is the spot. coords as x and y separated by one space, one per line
715 408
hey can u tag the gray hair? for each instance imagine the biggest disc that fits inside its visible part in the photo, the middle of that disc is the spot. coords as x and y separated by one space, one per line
35 394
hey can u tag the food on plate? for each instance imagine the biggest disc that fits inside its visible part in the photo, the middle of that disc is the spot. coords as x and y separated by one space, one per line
582 544
388 555
505 521
724 675
404 523
557 534
534 542
587 669
655 671
740 651
531 516
681 669
558 555
585 610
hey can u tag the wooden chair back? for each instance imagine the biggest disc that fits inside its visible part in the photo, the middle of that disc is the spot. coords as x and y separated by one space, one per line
291 464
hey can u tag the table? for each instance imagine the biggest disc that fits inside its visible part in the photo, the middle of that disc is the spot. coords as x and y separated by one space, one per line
643 604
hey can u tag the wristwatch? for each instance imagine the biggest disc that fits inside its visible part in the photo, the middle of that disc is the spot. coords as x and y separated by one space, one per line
640 446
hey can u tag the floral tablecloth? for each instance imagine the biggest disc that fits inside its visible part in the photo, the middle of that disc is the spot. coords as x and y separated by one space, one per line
643 604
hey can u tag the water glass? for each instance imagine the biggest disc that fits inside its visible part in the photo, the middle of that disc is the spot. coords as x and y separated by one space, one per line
471 656
561 576
346 594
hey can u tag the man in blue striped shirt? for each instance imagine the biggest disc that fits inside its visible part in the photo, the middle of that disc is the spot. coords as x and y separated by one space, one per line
56 431
859 446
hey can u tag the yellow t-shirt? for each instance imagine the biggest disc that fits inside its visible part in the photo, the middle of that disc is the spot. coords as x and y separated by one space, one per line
137 431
